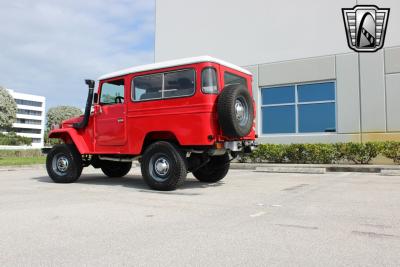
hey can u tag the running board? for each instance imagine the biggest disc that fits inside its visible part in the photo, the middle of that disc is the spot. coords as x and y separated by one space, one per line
117 159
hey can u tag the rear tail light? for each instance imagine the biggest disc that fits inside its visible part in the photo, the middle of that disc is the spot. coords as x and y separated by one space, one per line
219 145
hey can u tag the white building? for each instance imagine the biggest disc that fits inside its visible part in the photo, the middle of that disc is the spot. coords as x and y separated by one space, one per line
30 117
308 84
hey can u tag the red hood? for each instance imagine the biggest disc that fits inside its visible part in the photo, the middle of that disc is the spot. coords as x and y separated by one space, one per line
68 123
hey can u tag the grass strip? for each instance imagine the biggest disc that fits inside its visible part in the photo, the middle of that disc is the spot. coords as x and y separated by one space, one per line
15 161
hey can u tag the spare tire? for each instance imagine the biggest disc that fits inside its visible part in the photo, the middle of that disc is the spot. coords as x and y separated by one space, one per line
235 111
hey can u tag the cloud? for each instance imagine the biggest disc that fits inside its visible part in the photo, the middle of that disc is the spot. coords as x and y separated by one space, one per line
48 47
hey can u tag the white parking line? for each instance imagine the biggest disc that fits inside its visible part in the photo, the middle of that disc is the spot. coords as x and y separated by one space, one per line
258 214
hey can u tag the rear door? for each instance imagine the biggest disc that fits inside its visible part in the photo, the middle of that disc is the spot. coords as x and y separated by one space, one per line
110 121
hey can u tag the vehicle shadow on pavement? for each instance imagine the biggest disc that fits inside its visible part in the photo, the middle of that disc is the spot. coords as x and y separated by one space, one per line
133 181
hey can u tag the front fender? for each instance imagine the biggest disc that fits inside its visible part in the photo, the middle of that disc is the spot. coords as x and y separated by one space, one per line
71 136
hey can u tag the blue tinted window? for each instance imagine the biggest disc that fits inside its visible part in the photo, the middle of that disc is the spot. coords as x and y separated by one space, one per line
316 92
278 95
278 119
317 118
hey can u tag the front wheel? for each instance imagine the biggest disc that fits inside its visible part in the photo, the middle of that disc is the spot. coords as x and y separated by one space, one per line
163 166
215 170
64 163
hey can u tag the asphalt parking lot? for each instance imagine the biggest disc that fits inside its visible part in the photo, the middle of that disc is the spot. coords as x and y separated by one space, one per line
249 219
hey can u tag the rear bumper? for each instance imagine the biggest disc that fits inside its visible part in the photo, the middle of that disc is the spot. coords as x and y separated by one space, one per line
246 146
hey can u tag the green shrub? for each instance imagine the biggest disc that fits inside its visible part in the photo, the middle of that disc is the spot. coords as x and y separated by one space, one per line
359 153
274 153
391 150
258 155
321 154
296 153
12 139
243 158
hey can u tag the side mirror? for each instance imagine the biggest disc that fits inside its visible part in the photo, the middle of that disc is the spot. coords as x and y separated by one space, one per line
95 98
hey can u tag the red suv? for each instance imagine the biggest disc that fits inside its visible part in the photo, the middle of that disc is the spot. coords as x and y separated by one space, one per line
189 115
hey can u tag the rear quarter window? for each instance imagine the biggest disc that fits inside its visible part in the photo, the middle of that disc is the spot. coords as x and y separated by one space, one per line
179 83
209 84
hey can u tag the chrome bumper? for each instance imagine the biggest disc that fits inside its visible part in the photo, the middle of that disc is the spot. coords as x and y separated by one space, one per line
246 146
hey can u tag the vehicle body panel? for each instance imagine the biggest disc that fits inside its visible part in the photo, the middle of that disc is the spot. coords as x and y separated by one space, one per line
123 128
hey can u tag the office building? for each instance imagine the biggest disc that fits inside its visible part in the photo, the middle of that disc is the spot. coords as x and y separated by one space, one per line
308 84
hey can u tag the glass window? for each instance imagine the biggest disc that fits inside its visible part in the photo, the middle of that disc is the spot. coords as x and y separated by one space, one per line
29 112
317 118
28 102
112 92
179 83
230 78
26 130
278 95
147 87
305 108
278 119
209 84
316 92
27 121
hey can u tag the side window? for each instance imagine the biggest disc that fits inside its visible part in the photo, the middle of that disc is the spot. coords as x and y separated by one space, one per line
112 92
147 87
179 83
299 108
230 78
209 84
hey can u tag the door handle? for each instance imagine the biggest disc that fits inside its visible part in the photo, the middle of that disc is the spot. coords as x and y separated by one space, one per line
120 120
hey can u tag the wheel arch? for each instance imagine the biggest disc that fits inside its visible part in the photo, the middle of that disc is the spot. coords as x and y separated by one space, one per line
71 136
152 137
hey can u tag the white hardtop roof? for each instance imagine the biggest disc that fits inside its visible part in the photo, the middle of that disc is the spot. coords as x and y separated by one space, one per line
172 63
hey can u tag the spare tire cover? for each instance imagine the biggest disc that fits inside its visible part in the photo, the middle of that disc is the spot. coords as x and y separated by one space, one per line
235 111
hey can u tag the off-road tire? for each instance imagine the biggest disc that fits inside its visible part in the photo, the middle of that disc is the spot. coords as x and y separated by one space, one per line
226 111
115 169
162 154
65 153
215 170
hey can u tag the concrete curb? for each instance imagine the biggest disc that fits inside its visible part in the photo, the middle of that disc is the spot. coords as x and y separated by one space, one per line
22 167
390 172
38 167
386 170
327 167
309 170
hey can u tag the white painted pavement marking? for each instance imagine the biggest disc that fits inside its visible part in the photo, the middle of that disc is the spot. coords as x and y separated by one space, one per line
258 214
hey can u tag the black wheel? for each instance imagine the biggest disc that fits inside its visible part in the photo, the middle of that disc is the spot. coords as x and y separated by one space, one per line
163 166
115 169
235 111
215 170
64 163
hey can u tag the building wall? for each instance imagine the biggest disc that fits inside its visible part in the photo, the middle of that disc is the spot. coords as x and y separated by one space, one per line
30 117
258 31
367 94
293 42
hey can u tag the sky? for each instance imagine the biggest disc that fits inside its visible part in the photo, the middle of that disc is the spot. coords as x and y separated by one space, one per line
48 47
